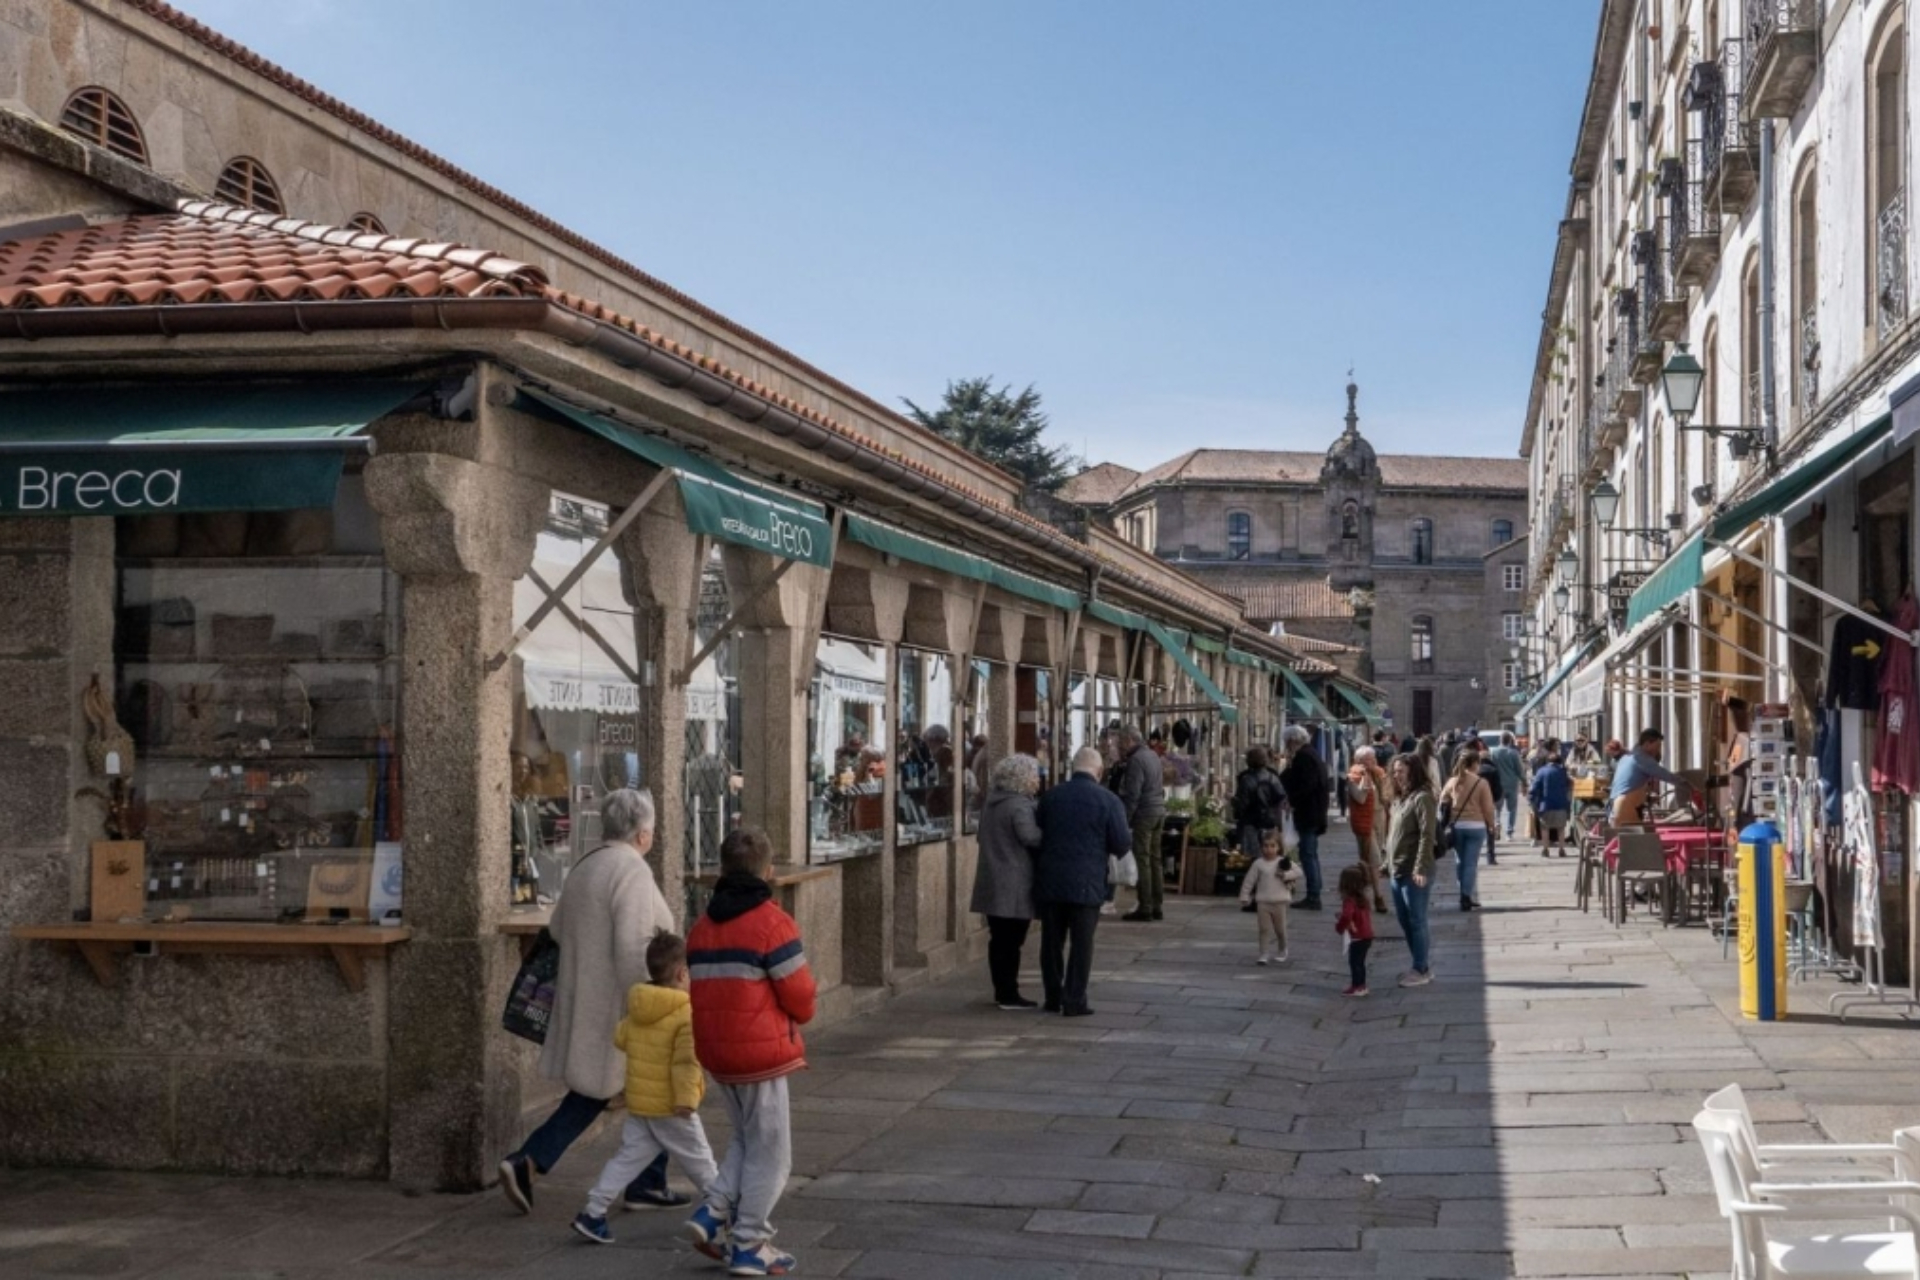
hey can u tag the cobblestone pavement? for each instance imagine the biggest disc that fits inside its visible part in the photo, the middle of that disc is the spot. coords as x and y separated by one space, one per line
1525 1115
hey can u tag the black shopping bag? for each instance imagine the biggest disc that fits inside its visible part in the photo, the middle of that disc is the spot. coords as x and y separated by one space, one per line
530 1000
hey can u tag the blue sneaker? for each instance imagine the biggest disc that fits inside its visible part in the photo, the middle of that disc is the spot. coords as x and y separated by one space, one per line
759 1260
708 1231
592 1228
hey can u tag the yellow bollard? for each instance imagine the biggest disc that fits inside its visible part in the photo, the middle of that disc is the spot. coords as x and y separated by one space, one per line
1763 923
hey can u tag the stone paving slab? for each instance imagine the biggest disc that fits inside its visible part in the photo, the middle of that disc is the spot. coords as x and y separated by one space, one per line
1527 1115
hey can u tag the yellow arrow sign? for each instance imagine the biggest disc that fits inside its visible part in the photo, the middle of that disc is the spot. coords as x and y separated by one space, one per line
1868 650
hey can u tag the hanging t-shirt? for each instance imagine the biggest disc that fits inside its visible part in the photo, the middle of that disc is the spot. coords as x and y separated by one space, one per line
1853 667
1896 754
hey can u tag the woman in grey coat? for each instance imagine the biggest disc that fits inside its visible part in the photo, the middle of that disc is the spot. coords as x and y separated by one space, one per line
1003 880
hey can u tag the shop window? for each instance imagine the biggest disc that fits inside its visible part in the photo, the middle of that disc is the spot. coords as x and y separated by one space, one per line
257 670
977 711
1239 535
577 707
1423 541
712 780
928 760
846 749
246 182
1502 532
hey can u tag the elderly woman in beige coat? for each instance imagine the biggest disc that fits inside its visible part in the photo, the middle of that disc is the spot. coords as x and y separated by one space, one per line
609 910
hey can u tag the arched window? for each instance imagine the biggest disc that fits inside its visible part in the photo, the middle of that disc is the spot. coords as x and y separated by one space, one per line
1239 535
1887 174
366 223
102 119
1422 643
246 182
1423 541
1806 290
1502 532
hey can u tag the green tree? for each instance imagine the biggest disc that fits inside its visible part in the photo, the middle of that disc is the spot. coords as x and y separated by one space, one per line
1000 425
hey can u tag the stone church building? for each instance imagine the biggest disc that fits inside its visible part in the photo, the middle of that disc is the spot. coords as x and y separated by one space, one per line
1386 555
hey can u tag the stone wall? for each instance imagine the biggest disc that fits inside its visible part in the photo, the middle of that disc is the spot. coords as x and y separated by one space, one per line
1497 601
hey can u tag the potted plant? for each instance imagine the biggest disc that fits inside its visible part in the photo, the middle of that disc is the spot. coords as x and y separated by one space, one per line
1200 858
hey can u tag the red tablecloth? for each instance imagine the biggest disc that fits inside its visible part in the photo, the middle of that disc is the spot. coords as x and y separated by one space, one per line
1684 845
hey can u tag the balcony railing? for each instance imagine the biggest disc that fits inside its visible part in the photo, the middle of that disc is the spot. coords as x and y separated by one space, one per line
1755 402
1692 233
1807 352
1784 38
1890 252
1729 143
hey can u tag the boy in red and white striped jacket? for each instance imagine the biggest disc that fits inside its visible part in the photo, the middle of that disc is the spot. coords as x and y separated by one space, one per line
752 992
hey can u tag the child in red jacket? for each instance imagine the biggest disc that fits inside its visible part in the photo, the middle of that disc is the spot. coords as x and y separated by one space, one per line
752 991
1356 925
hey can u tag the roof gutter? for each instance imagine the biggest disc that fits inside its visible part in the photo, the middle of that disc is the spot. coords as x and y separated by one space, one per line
623 348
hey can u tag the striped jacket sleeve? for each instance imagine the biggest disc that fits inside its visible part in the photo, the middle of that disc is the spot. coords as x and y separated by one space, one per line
787 969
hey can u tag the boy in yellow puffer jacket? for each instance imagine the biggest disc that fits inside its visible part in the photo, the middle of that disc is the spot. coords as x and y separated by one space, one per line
664 1086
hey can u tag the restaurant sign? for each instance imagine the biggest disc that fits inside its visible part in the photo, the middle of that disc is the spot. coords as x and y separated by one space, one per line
1621 586
119 482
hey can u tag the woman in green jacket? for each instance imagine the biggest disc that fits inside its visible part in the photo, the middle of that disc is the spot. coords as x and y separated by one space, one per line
1410 847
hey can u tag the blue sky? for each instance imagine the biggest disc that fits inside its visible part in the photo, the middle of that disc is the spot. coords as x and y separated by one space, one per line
1181 220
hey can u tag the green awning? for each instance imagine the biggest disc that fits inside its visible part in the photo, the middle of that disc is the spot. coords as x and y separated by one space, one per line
1802 480
1311 705
719 503
1678 574
1206 644
1564 668
1360 704
181 448
1228 711
934 555
1114 615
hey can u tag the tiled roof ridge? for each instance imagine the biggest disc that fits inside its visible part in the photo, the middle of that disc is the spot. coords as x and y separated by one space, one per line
530 280
360 120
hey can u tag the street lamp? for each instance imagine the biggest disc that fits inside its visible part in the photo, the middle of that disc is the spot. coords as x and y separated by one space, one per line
1606 505
1561 595
1680 381
1564 568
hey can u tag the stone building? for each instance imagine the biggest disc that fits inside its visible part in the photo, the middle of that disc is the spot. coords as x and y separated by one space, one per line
1504 605
1382 553
361 528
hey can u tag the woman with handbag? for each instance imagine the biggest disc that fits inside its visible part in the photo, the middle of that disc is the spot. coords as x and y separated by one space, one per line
609 910
1410 847
1467 811
1003 879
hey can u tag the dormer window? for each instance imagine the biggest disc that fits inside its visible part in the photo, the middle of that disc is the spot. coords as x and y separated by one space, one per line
1239 535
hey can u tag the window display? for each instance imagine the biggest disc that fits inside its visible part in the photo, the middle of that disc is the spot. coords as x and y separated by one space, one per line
257 672
577 706
928 760
978 762
846 749
712 780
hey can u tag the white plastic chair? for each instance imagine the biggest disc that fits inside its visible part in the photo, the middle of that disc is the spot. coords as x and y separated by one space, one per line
1898 1160
1755 1209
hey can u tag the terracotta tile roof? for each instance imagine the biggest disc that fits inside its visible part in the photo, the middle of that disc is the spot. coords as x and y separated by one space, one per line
277 75
1269 466
1275 599
1098 485
211 253
1312 644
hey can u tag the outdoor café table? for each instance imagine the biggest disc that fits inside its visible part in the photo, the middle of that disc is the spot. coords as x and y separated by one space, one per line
1683 845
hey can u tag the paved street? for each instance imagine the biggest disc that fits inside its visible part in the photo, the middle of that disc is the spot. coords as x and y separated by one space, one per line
1526 1115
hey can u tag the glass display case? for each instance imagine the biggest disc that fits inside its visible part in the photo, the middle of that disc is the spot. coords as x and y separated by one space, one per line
258 675
846 749
927 758
577 704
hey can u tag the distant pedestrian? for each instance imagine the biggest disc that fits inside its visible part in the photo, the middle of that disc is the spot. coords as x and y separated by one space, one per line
1410 851
1372 795
752 992
664 1087
1552 801
1305 781
1003 879
1268 889
1356 925
1259 801
1490 774
1513 779
1082 826
607 915
1143 797
1468 801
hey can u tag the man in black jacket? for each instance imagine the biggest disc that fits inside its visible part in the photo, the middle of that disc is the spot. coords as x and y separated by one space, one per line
1082 824
1305 781
1143 794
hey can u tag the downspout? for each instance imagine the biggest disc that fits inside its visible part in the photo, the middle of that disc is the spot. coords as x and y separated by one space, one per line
1768 418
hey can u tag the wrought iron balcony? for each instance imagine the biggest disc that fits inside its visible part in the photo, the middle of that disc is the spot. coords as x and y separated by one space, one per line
1729 154
1890 254
1784 38
1692 232
1618 391
1807 357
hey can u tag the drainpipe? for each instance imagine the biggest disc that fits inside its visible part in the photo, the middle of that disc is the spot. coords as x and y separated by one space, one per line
1768 418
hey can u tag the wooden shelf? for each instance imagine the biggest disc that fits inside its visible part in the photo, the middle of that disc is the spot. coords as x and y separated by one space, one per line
102 944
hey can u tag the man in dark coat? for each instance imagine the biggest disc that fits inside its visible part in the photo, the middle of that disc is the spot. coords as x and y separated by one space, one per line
1143 794
1082 824
1305 781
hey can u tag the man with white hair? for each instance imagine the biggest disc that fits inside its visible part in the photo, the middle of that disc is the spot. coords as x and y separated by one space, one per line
1082 825
609 910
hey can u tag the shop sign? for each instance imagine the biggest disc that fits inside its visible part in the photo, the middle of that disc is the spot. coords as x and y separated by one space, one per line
1587 690
751 519
138 482
1622 585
